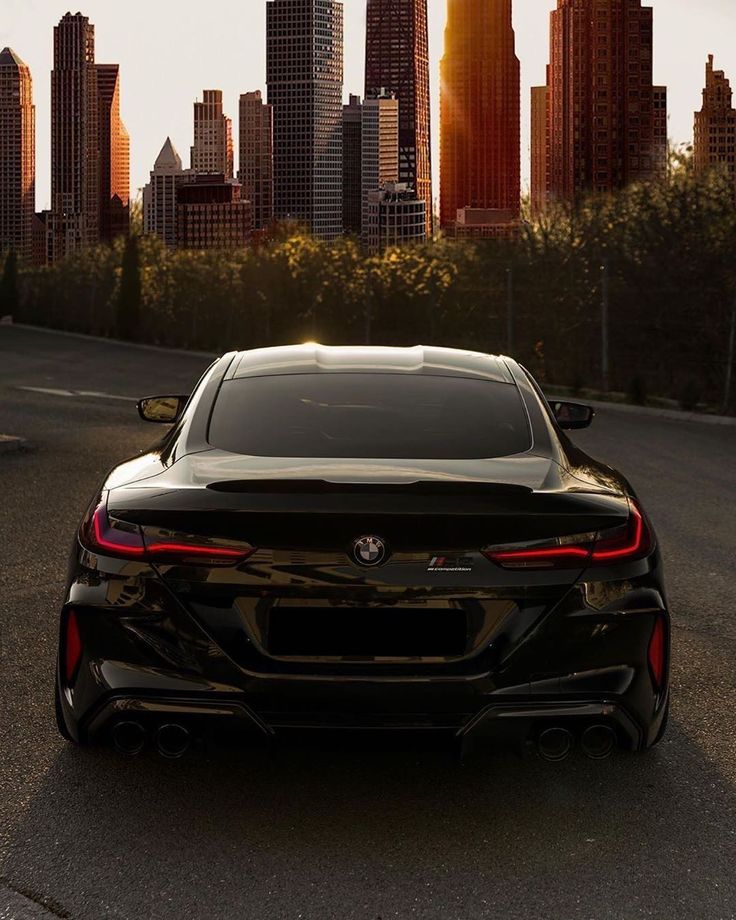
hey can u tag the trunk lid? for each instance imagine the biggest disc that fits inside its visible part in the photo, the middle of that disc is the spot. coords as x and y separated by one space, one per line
301 601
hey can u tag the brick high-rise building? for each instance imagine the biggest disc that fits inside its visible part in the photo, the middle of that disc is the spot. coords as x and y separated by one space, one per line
212 215
161 193
352 165
17 156
539 149
480 105
114 157
74 222
604 131
715 124
256 157
212 151
397 59
380 149
304 73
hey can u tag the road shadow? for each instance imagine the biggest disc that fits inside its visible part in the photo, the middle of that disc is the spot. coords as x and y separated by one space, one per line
320 832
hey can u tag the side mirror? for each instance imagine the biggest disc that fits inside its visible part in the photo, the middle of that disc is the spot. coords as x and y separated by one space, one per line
572 416
164 410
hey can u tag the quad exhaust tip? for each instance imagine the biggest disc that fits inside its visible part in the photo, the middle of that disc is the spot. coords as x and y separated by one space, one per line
555 744
598 742
173 740
129 738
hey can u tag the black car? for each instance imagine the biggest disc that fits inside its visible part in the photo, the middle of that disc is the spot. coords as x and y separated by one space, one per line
365 538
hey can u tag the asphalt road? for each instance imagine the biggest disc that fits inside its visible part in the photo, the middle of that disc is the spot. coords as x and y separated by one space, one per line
323 833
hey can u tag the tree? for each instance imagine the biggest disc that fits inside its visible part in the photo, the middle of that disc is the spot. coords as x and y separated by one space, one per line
9 294
128 311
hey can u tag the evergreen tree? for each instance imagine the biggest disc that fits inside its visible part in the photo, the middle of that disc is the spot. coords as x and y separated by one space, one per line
128 312
9 294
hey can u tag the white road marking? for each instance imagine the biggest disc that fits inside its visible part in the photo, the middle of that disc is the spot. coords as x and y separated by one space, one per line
104 395
48 391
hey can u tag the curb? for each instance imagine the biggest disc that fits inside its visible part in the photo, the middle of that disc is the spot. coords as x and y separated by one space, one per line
160 349
676 415
646 411
9 443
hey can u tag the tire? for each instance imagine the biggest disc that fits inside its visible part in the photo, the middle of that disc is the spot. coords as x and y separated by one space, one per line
60 722
661 733
663 727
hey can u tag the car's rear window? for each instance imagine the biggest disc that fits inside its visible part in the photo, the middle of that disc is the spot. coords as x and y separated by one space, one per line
373 416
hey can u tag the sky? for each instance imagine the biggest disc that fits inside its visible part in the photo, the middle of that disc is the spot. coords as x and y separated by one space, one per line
170 50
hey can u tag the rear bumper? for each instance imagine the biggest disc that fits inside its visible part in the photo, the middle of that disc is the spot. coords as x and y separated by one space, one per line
510 722
584 661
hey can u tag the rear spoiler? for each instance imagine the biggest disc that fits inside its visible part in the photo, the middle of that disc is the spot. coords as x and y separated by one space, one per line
324 487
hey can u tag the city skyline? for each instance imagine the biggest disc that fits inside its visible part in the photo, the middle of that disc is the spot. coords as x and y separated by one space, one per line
683 39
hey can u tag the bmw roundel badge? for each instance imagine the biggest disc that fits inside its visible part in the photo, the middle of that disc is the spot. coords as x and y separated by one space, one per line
369 551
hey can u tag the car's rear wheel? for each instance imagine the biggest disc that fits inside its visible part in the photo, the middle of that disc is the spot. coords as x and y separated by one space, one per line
663 727
60 721
662 730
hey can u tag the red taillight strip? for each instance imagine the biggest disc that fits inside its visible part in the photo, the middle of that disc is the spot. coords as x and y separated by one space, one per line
72 646
101 538
188 549
540 555
657 653
635 542
116 548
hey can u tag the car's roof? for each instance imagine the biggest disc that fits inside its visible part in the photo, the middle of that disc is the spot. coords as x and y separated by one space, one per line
313 358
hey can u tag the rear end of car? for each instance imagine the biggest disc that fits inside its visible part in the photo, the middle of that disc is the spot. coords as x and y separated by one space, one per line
244 587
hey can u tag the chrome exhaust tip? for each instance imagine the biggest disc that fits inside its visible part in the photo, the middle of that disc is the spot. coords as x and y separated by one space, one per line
555 744
172 740
598 742
129 738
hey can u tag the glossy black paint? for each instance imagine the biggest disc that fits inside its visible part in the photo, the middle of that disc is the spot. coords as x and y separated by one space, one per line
192 643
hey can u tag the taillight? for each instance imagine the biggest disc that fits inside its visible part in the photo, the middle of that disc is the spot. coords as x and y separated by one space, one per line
72 646
631 541
108 536
657 654
550 554
174 550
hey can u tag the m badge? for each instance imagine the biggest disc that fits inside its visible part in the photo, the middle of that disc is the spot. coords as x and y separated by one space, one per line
448 564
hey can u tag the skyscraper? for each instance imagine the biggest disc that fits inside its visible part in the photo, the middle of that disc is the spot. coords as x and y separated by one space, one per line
75 149
539 149
114 156
380 149
256 157
604 132
304 72
212 151
17 156
161 193
352 165
715 124
480 103
396 217
212 215
397 59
